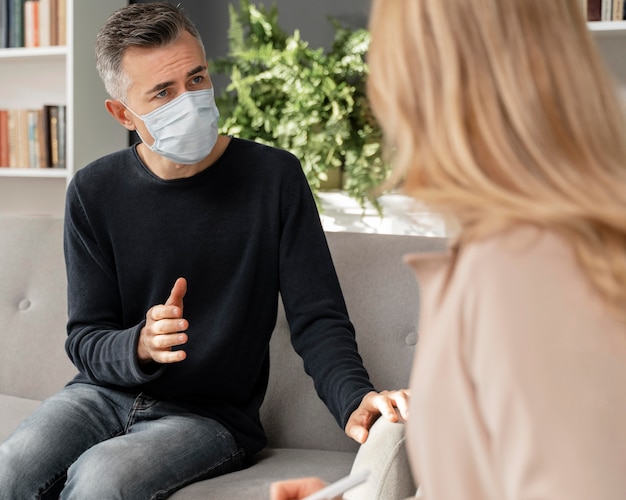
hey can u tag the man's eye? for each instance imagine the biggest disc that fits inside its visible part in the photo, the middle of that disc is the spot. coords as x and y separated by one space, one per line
197 80
161 94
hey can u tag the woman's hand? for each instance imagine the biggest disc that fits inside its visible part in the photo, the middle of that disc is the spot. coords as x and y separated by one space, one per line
295 489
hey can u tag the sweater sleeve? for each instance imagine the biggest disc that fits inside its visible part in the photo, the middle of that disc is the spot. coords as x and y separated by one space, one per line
102 349
321 330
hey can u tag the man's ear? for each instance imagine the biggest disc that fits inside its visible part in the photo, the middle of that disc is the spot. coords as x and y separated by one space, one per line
119 112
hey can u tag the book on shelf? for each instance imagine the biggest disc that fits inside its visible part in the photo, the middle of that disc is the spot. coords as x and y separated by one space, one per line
12 137
54 23
605 10
42 148
15 23
618 10
594 10
37 147
4 25
54 119
33 138
4 138
44 23
22 138
33 142
33 23
61 10
16 137
61 137
612 10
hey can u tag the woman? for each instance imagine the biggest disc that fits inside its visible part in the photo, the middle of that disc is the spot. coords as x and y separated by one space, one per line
500 114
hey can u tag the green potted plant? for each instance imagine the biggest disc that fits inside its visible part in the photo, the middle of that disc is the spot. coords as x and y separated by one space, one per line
308 101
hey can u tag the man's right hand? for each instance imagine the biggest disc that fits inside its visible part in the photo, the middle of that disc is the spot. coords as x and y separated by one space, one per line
165 328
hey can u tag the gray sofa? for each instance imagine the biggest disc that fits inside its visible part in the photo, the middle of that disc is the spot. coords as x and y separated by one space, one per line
382 298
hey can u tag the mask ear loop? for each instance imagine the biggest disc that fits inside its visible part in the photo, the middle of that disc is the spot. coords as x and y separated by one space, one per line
136 130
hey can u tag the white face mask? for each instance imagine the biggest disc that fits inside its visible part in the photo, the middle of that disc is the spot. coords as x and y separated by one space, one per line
185 129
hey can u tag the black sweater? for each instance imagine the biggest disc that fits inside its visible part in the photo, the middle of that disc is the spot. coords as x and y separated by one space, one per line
240 232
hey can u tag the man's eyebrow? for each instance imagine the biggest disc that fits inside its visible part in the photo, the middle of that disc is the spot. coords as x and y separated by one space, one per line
197 70
160 86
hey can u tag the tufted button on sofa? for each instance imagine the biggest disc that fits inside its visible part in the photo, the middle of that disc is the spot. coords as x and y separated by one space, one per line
304 440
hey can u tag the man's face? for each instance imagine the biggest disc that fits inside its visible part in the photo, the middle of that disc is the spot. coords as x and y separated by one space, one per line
159 75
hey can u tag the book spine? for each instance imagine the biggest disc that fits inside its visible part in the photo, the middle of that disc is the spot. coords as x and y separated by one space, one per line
594 10
18 138
13 137
61 136
16 23
31 23
47 133
607 10
62 21
33 146
41 140
4 24
54 22
44 23
618 10
23 139
54 135
4 138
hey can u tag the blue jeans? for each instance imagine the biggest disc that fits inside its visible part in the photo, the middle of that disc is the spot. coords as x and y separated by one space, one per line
88 442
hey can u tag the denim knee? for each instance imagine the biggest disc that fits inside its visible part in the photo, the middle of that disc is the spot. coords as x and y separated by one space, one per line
21 478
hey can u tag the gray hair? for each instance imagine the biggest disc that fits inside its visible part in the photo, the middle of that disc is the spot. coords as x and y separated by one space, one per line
147 25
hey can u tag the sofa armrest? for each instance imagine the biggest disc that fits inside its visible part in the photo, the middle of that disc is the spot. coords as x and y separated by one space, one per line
384 454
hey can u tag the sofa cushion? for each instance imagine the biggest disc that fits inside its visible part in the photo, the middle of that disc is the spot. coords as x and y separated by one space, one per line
33 307
13 410
273 465
382 298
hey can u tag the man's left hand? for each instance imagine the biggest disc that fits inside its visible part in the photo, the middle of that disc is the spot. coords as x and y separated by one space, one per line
392 405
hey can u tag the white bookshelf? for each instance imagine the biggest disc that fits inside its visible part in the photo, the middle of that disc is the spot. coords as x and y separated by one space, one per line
611 39
608 28
32 77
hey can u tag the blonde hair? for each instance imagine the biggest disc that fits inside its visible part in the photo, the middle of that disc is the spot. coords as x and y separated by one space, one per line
501 111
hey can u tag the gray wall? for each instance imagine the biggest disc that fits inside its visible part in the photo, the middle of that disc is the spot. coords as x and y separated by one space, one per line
309 16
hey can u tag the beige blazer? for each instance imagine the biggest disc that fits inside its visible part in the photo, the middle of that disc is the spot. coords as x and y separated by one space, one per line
518 390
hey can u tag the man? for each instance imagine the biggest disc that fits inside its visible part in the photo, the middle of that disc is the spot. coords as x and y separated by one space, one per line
169 394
